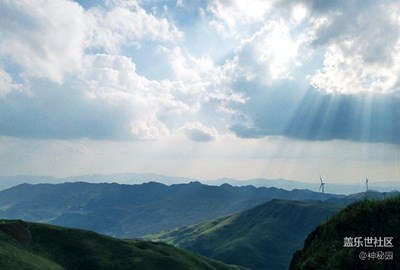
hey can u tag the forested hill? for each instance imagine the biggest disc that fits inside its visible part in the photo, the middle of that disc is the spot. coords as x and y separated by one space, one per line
324 247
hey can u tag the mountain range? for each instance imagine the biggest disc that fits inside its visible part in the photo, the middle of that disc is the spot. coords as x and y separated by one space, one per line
256 228
128 211
140 178
335 188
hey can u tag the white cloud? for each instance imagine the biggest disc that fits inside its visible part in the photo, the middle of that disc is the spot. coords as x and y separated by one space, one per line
49 39
358 42
123 25
5 82
362 48
188 68
344 73
299 13
198 81
114 80
270 54
7 85
83 50
46 38
231 14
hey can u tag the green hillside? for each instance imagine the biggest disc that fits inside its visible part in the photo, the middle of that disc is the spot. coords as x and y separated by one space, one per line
34 246
264 237
324 247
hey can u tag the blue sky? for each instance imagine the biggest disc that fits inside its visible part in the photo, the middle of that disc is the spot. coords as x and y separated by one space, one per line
207 89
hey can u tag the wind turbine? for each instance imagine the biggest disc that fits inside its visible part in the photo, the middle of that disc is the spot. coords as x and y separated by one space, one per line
322 187
366 184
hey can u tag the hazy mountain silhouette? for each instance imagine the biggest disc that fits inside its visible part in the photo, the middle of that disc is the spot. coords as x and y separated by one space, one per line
140 178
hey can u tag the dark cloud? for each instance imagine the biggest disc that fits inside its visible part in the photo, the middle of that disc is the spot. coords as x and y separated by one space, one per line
314 115
200 136
198 132
366 117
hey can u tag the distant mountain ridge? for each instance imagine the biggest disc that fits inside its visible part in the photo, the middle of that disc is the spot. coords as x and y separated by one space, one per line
136 210
121 178
140 178
334 188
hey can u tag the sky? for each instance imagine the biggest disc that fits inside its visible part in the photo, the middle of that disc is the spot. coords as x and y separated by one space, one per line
202 89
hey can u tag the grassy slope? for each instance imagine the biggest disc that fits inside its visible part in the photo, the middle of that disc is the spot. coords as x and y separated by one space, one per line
53 247
324 249
264 237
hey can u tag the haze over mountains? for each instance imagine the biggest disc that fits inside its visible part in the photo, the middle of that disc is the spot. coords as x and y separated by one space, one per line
136 210
247 226
139 178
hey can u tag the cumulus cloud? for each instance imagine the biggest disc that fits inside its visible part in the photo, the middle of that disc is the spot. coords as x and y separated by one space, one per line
349 73
188 68
362 50
229 15
46 39
54 42
114 79
49 39
271 54
196 131
107 100
359 42
122 25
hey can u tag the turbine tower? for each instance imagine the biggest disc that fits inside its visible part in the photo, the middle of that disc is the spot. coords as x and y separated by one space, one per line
322 187
366 183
